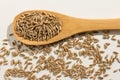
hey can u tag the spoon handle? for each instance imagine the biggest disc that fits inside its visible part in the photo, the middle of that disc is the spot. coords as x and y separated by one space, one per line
94 25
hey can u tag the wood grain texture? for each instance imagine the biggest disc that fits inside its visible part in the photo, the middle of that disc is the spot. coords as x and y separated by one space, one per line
70 26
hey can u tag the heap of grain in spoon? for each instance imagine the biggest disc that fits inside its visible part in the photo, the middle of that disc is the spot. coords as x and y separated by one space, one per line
37 26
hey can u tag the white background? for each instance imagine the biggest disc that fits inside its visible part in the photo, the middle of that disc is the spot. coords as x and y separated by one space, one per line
77 8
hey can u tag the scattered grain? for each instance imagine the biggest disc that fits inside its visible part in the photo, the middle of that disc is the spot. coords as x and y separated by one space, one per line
102 51
113 38
106 45
67 63
5 40
11 34
118 45
116 70
118 60
15 53
106 36
105 75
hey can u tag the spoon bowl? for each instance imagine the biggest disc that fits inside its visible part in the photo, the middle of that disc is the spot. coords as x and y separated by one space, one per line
70 26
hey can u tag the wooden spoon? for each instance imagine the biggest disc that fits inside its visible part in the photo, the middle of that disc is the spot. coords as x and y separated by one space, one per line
71 26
